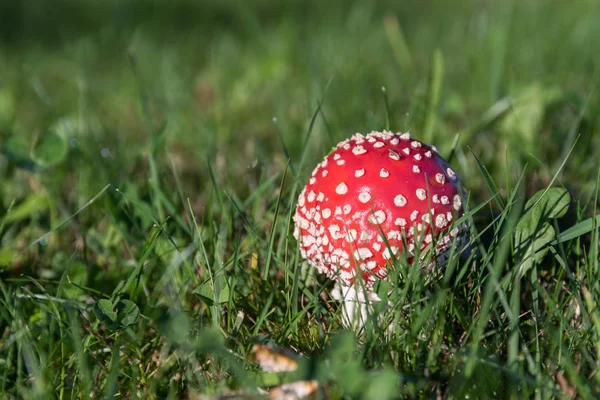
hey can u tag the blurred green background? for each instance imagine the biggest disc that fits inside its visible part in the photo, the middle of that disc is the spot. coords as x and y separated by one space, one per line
513 78
203 102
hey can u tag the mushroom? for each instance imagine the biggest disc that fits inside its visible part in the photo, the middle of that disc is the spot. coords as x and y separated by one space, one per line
372 198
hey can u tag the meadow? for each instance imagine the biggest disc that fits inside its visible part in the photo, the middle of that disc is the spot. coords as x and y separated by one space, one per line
151 156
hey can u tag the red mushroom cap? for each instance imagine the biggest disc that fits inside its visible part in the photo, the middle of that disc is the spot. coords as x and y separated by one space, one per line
382 182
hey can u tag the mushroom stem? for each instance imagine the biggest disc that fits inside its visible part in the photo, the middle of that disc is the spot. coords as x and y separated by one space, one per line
357 304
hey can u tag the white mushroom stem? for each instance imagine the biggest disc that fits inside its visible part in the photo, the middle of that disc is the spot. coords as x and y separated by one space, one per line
357 304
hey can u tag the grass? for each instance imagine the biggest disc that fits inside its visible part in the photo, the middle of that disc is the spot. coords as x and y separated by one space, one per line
151 157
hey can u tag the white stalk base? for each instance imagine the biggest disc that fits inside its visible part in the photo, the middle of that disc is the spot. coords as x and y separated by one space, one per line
357 305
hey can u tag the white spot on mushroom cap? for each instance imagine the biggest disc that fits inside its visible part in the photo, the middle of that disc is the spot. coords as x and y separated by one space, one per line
311 196
320 197
347 274
440 221
394 155
359 172
457 202
451 173
415 144
378 217
418 157
352 235
324 173
400 200
358 150
363 253
312 180
378 145
384 173
421 194
340 162
393 234
414 215
326 213
364 197
337 156
376 246
406 150
416 169
405 136
440 178
445 200
400 222
366 235
308 240
333 230
386 252
347 209
341 189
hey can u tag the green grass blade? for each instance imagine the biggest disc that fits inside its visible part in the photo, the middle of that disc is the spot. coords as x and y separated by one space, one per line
490 183
274 225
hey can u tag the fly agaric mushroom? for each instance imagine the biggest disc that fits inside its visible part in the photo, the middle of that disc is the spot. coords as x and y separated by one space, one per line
373 197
